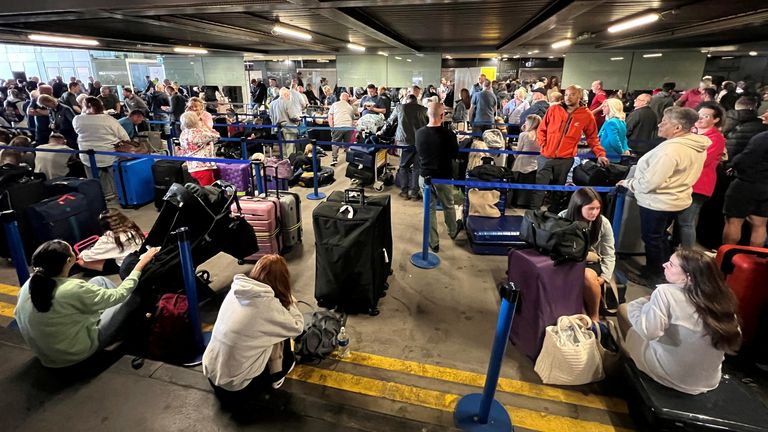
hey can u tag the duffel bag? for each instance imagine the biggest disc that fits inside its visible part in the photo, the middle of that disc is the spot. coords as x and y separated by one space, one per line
589 173
560 238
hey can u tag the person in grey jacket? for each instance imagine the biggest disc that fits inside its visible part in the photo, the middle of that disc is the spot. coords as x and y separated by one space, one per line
410 117
663 100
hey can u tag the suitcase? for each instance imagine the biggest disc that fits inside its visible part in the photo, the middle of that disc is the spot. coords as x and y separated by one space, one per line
746 273
67 217
589 173
290 221
629 241
134 182
91 188
18 196
362 156
165 173
547 292
364 174
263 214
350 256
238 174
324 177
732 406
494 236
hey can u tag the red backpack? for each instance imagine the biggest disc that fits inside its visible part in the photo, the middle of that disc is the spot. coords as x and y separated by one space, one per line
170 334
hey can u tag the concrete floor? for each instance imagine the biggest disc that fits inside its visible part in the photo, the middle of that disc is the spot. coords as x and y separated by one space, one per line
445 316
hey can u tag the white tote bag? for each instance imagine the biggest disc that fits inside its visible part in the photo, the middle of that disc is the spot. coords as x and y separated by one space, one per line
571 354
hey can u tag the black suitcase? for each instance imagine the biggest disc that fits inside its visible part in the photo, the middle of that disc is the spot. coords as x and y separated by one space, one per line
166 173
589 173
67 217
350 256
18 196
91 188
364 175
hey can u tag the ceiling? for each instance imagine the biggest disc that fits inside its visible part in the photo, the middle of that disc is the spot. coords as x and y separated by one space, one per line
451 27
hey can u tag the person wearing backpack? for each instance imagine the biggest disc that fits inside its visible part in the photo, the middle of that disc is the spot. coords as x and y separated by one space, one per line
66 320
250 349
14 111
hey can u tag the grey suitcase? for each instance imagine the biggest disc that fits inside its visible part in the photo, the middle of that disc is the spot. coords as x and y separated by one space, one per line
629 241
290 220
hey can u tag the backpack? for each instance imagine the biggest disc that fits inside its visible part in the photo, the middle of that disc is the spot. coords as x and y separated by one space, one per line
494 139
12 112
318 340
589 173
560 238
170 334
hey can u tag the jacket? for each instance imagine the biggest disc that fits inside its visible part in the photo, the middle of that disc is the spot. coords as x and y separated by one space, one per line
751 165
659 102
740 127
613 137
410 118
642 125
539 108
560 132
251 320
691 98
665 176
705 185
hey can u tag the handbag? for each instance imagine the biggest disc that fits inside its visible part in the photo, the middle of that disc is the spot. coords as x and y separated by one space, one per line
560 238
483 203
132 147
571 354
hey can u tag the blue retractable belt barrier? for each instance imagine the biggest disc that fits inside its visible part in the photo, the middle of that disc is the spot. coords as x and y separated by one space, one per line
15 245
425 259
190 287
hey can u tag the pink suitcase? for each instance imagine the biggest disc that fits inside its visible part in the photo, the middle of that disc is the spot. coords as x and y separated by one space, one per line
239 174
263 214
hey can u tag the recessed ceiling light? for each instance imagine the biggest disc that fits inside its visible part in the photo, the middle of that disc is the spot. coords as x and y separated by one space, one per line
652 55
617 58
635 22
298 34
63 40
355 47
190 50
408 60
516 56
505 55
322 61
551 57
398 58
727 57
753 53
383 53
288 61
533 52
561 44
449 57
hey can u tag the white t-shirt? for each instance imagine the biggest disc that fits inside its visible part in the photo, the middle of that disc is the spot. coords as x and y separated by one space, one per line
98 132
52 164
342 113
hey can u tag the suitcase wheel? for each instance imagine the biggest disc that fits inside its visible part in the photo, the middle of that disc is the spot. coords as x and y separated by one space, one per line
378 186
373 312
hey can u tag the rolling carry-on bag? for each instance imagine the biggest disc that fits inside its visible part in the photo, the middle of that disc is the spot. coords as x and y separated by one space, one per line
547 292
67 217
264 214
91 188
18 195
134 182
290 217
165 173
238 174
746 273
494 236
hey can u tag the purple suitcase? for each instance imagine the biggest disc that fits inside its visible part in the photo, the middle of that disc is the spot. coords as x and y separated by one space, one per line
547 292
239 174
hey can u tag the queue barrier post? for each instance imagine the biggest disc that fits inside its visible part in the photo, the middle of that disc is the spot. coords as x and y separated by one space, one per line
190 286
425 259
92 161
243 149
481 412
618 211
280 140
257 178
15 246
315 194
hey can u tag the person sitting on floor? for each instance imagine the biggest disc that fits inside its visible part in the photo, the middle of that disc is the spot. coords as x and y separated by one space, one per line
121 237
679 335
65 320
585 206
250 349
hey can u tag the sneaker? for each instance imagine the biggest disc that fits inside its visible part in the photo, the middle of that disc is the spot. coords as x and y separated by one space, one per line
334 162
404 195
278 384
414 197
459 227
435 249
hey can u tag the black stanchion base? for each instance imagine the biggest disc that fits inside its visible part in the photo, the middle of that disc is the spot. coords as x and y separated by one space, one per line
466 415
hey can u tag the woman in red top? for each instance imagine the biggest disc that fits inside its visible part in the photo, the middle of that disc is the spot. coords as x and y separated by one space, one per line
710 121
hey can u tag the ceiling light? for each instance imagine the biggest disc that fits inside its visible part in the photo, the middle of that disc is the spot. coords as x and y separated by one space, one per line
727 57
533 52
704 51
617 58
516 56
635 22
190 50
63 40
562 44
383 53
322 61
285 31
419 55
753 53
494 60
652 55
355 47
398 58
449 57
505 55
551 57
288 61
709 55
408 60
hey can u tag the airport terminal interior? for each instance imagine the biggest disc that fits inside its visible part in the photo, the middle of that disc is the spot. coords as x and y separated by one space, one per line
384 215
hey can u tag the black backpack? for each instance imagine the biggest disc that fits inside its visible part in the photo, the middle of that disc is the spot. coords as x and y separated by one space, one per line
318 340
560 238
589 173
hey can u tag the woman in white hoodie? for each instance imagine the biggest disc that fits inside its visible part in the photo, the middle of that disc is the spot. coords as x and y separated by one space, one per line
250 349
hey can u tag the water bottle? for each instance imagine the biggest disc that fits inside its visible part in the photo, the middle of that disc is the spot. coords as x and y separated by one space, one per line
343 340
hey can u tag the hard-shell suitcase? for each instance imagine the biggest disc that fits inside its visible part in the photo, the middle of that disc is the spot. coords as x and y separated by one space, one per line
91 188
263 214
165 174
362 155
67 217
350 256
18 196
494 236
547 292
134 182
238 174
746 273
290 220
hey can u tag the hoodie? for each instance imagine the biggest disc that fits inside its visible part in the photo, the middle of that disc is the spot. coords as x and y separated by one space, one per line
665 176
251 320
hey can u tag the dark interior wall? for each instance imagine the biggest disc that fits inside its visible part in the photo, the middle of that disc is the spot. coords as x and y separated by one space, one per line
738 68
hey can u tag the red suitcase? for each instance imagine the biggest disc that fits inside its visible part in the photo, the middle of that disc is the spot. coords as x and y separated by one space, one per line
746 273
263 214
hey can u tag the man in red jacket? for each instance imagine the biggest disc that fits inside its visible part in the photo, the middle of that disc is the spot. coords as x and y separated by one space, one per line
559 135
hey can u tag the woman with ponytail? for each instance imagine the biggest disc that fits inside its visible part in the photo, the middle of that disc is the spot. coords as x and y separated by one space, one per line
65 320
679 335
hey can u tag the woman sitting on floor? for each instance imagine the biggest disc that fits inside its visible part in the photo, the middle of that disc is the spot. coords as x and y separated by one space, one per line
121 237
680 333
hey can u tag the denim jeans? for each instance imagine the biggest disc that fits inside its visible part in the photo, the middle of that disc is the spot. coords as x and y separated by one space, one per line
112 319
409 170
444 194
653 228
687 219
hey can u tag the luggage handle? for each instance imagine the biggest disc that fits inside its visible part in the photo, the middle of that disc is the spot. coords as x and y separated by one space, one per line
727 266
354 193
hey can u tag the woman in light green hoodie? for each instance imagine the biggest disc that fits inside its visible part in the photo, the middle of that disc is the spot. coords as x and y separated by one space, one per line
65 320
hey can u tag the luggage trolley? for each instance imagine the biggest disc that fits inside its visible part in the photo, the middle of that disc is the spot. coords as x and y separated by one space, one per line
369 165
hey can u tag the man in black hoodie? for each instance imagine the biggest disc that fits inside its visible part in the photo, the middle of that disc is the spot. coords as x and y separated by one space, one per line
741 124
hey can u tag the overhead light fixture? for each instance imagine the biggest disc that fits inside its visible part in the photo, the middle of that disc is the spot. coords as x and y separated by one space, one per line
494 59
551 57
709 55
398 58
355 47
617 58
285 31
449 57
505 55
561 44
408 60
190 50
727 57
288 61
634 22
704 51
419 55
753 53
533 52
383 53
63 40
652 55
516 56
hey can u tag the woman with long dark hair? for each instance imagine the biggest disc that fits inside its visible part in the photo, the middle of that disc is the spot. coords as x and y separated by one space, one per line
585 206
461 110
250 349
121 237
680 333
65 320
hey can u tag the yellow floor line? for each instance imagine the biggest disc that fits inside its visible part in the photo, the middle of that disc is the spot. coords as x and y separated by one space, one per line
521 417
6 309
9 290
478 380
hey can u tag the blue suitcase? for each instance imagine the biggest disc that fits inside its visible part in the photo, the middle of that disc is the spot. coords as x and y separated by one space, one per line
361 155
68 217
91 188
134 182
494 236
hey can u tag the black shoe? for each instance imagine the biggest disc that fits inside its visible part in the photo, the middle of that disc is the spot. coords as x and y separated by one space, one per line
435 249
404 195
459 227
